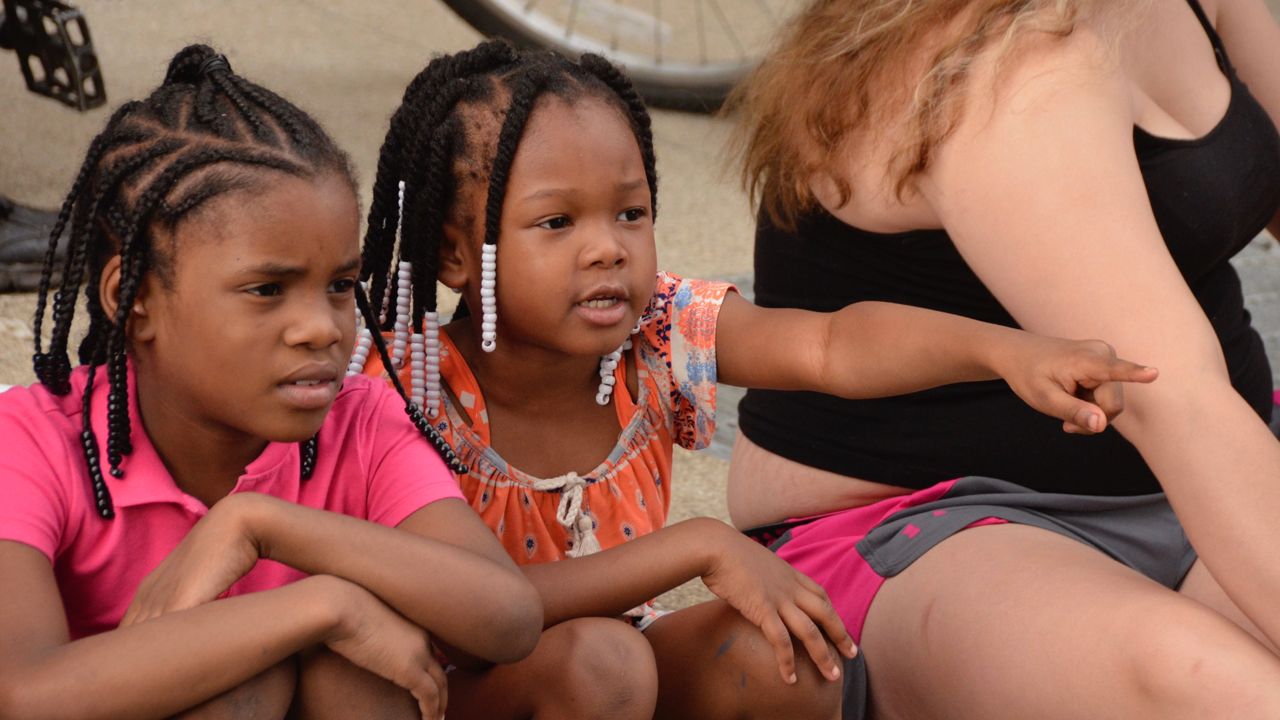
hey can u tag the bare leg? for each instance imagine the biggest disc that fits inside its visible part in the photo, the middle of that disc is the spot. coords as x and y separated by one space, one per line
329 686
581 669
1011 621
265 696
713 663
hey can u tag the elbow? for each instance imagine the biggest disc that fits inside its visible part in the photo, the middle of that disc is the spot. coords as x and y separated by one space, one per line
517 624
1176 398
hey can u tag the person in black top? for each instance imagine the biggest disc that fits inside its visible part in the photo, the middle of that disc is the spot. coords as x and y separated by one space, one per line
1079 169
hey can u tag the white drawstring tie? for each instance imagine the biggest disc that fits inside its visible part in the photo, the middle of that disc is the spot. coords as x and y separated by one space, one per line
571 513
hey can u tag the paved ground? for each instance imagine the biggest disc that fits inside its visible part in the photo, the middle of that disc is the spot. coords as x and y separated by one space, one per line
347 61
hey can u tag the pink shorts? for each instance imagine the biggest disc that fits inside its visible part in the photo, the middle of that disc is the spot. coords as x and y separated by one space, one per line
851 553
825 549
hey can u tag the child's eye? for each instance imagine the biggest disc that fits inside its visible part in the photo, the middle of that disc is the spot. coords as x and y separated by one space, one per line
343 286
266 290
558 222
632 214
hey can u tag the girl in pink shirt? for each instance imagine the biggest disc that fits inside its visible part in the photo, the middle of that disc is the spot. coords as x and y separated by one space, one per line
204 515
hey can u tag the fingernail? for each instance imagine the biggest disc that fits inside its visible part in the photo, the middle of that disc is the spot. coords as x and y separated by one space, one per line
835 672
1094 423
853 649
791 679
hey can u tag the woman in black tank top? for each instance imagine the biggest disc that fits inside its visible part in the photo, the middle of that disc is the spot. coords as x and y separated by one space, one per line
1101 194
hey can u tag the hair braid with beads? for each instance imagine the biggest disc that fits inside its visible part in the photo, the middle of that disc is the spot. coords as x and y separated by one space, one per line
156 161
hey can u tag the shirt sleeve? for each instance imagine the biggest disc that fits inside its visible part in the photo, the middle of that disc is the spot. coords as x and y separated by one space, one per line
406 474
34 471
684 315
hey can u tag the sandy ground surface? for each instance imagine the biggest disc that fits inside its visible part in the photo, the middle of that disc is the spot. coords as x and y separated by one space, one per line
347 62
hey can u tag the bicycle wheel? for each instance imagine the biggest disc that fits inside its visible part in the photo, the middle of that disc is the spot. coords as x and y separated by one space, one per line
681 54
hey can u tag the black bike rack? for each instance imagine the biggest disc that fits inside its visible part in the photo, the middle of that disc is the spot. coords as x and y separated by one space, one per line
55 51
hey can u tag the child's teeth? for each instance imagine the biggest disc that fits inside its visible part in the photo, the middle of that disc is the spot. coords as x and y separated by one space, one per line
600 303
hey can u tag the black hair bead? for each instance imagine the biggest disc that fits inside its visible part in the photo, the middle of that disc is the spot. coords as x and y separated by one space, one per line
309 452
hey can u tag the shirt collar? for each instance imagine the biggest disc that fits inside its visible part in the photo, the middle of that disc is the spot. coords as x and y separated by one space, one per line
147 480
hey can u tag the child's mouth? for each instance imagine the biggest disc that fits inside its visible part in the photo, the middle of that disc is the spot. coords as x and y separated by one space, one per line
312 388
599 303
605 310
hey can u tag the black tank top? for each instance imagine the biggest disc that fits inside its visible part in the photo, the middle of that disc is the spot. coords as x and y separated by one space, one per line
1210 195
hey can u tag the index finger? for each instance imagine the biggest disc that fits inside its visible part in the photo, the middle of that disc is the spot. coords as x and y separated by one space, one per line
1116 369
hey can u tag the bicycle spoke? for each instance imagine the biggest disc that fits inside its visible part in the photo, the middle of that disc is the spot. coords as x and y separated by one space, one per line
724 22
573 16
764 5
657 32
702 34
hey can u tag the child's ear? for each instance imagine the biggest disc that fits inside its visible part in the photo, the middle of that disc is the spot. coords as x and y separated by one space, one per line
139 323
453 262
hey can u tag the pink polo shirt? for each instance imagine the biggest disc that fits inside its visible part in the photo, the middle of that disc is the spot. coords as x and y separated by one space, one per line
372 464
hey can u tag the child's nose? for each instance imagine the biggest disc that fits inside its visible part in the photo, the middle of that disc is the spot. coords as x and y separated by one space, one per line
605 249
315 325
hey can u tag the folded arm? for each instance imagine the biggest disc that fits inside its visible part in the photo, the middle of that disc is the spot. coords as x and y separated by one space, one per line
153 669
477 603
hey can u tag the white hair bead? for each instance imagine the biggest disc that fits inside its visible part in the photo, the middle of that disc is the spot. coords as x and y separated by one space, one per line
417 374
488 298
404 280
431 336
360 354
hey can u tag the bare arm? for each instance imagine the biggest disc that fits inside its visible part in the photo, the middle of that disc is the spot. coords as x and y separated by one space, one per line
471 602
768 592
875 349
1043 196
164 666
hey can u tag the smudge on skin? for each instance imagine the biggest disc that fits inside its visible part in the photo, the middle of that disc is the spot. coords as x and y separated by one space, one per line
728 643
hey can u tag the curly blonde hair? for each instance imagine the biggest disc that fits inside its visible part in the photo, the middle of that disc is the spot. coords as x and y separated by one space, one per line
836 69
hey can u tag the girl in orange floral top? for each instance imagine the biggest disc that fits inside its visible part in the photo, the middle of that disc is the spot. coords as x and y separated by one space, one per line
564 381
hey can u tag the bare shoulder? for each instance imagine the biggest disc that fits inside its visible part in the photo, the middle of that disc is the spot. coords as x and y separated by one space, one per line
1005 90
1049 97
1083 70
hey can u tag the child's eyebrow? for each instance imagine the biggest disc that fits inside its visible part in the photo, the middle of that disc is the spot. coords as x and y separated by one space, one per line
275 269
622 187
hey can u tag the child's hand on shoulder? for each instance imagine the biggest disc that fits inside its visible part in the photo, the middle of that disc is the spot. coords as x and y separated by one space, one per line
218 551
777 598
1076 381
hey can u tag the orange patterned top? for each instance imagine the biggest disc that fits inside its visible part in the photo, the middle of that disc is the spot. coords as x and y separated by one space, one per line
627 495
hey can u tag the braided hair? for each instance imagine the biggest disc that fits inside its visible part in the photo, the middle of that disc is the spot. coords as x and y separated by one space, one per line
434 145
204 132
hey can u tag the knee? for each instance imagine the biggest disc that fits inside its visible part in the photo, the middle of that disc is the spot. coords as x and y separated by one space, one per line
330 686
604 666
1202 665
811 696
266 696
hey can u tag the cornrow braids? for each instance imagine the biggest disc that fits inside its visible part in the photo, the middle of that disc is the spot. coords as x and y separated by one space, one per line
438 145
157 161
429 100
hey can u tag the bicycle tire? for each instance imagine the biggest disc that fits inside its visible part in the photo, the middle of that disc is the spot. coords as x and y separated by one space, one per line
676 86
